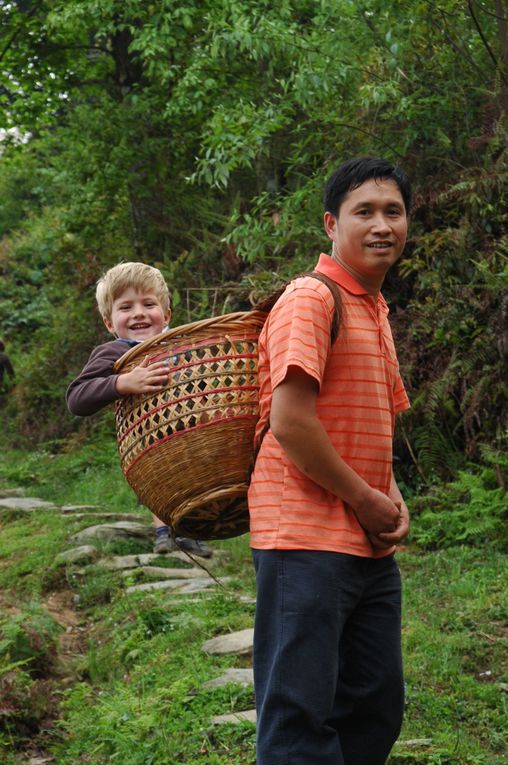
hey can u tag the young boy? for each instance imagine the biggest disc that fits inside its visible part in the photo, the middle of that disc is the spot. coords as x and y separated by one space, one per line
133 300
325 509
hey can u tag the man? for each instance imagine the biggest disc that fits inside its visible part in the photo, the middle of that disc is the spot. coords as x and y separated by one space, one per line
326 512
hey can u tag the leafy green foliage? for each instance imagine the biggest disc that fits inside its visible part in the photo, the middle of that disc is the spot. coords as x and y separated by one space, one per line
471 510
27 661
29 638
197 136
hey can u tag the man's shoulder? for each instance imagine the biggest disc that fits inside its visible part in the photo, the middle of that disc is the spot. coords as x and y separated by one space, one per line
312 296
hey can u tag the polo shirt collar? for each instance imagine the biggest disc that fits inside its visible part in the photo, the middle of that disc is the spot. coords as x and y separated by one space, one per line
329 267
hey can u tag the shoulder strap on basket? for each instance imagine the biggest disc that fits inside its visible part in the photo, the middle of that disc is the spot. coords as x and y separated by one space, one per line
332 286
266 306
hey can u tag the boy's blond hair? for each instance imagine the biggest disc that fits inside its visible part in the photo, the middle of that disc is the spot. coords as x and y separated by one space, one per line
125 275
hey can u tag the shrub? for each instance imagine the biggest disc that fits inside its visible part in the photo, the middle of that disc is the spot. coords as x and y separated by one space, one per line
471 510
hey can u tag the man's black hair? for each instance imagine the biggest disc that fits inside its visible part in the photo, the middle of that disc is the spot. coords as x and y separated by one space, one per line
354 172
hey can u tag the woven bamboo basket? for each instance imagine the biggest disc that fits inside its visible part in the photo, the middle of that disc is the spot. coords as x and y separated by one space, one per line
186 450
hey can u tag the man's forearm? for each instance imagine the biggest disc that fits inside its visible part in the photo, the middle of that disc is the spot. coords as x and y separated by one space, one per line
394 492
301 434
308 446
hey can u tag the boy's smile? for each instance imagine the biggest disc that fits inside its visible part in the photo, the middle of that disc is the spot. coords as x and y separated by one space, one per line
137 315
369 233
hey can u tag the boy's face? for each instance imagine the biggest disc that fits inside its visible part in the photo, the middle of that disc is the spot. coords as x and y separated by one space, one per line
137 315
370 231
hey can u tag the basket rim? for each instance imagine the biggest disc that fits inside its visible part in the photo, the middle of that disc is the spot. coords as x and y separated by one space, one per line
243 321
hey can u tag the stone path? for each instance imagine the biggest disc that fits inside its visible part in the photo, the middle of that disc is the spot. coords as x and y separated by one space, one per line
236 717
244 677
177 585
27 504
170 573
181 582
239 643
185 583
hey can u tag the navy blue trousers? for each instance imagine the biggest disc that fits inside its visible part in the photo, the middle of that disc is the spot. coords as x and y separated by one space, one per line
327 658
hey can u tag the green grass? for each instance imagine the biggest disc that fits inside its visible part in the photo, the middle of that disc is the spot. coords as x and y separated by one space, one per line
136 696
77 472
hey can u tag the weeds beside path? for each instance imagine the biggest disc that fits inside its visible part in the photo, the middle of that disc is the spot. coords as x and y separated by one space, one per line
118 677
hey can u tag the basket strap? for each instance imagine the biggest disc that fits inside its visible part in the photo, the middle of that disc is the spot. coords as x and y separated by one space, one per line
266 306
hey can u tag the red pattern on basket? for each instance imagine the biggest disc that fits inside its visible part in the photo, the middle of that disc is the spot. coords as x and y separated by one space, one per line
167 355
206 343
204 394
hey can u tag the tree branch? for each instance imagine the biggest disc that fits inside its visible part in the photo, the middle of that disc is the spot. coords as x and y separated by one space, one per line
19 29
502 27
485 42
461 51
498 15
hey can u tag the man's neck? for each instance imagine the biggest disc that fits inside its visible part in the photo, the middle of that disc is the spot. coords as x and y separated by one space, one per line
371 284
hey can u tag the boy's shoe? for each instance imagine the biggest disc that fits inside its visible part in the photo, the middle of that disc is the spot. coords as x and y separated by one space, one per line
194 547
164 543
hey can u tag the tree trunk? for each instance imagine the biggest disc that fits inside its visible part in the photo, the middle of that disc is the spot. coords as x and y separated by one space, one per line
501 7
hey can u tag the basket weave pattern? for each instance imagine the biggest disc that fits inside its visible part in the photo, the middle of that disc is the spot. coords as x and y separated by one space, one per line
186 449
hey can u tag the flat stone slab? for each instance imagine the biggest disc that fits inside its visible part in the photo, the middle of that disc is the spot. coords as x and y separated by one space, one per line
171 573
77 508
415 742
247 600
26 504
108 532
179 600
235 718
110 516
236 675
14 492
118 562
179 586
83 554
239 643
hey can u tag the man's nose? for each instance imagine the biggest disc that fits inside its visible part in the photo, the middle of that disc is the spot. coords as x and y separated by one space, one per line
381 224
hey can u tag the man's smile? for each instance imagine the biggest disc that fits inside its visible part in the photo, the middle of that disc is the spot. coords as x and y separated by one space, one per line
380 245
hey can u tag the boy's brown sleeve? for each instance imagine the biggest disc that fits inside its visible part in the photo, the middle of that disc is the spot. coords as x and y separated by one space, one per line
95 386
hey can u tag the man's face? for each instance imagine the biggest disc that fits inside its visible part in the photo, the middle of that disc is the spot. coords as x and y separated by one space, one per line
370 232
137 315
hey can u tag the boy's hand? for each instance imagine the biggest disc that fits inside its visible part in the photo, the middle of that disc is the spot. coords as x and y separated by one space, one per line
377 513
383 540
145 378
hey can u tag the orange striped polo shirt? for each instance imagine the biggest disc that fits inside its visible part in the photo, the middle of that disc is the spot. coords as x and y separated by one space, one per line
360 392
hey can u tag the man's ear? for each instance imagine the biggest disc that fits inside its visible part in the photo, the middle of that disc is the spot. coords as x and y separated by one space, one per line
330 223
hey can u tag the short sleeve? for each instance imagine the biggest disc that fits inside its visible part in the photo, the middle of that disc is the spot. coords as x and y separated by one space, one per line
298 330
400 398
